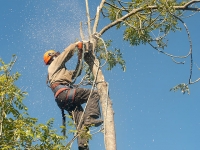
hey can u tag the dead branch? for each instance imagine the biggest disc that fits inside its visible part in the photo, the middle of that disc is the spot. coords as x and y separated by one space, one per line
81 31
88 18
99 8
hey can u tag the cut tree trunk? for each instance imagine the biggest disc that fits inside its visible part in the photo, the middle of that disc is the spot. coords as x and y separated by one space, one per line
106 104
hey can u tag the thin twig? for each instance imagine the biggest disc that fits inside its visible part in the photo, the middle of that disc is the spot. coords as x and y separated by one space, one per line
189 39
116 7
14 59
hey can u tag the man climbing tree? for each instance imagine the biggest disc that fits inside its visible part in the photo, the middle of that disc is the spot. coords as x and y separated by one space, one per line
70 98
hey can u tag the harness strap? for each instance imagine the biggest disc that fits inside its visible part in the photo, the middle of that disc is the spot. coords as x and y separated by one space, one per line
59 91
71 94
60 88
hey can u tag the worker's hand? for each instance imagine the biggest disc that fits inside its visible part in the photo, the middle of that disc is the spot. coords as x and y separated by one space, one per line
79 45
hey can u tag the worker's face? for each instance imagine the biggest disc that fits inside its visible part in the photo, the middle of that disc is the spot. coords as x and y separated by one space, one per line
53 57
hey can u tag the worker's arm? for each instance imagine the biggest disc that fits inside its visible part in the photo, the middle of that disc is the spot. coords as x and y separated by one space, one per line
68 52
59 61
65 55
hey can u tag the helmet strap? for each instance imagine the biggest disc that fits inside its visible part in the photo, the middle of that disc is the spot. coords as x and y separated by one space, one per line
53 56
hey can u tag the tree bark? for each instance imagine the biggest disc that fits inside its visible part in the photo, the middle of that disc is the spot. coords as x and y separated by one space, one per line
102 85
106 104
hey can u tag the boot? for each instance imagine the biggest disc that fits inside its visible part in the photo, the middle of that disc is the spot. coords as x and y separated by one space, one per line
83 140
94 115
83 148
90 121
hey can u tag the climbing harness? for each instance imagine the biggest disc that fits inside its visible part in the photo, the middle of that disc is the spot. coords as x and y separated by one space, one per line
58 88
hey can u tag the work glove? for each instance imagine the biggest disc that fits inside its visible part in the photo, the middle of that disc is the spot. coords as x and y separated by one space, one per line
79 45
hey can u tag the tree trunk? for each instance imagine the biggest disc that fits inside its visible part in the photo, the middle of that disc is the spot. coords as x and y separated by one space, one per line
106 104
102 85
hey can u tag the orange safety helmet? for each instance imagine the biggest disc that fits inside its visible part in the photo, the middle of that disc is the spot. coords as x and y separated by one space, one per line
48 55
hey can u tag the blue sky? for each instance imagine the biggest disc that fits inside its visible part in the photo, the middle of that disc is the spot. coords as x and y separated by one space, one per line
147 115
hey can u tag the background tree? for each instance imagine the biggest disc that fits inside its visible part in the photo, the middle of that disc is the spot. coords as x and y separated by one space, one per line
17 129
139 20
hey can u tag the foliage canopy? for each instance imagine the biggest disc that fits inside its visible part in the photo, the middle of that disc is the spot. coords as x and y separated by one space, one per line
17 129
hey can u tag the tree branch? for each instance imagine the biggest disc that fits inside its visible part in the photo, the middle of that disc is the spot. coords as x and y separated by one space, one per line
81 31
99 8
185 7
134 11
116 7
190 82
190 41
88 18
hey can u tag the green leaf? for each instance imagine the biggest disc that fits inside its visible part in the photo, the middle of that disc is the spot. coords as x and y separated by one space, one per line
182 87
